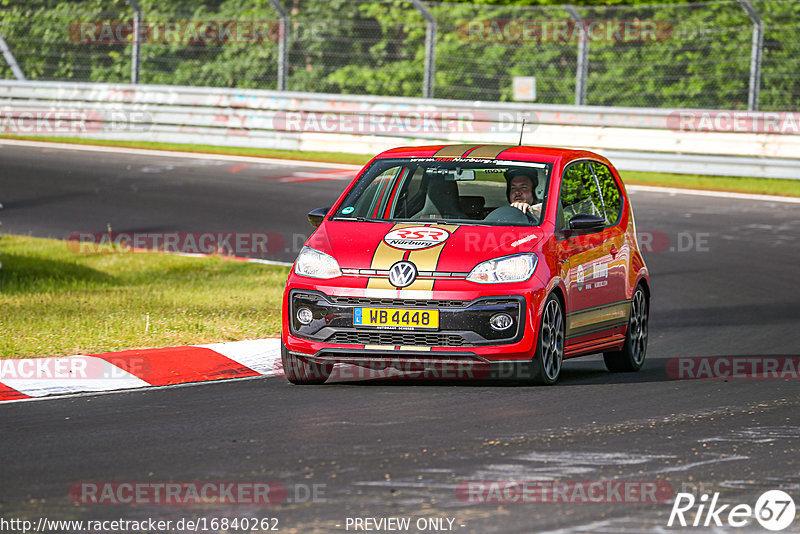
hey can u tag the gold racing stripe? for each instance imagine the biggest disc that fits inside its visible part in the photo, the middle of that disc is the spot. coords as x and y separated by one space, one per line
488 151
581 321
427 259
472 151
383 258
453 151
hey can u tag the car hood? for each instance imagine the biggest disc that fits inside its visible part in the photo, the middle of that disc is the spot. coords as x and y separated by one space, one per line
431 247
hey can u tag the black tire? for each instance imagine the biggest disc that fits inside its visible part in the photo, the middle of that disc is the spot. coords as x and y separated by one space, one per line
631 357
303 371
549 353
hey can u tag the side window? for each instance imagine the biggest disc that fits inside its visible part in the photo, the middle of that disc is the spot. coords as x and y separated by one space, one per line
373 197
411 196
579 193
415 182
611 195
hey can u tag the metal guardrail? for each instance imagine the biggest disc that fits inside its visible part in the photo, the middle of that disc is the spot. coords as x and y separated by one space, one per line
639 139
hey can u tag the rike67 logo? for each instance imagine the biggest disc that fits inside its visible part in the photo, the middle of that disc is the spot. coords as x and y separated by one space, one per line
774 510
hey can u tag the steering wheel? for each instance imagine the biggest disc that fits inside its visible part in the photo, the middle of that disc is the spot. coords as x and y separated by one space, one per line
509 214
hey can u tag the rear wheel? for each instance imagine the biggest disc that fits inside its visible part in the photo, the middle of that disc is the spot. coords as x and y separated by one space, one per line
550 345
304 371
631 357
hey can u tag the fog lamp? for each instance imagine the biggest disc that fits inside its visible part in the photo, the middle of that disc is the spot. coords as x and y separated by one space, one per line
501 321
304 316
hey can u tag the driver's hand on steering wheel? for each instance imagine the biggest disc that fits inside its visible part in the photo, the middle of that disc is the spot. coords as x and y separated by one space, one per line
534 210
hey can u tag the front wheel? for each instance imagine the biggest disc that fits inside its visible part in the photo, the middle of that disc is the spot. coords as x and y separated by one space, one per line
550 345
303 371
631 357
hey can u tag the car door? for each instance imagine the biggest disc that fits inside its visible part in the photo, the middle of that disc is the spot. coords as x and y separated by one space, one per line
617 253
587 257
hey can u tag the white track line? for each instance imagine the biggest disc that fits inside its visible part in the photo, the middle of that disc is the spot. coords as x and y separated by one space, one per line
301 163
174 154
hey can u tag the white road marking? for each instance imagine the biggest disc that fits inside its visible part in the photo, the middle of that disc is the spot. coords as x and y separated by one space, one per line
303 163
175 154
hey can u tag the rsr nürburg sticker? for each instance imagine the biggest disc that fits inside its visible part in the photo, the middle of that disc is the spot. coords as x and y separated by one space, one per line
416 237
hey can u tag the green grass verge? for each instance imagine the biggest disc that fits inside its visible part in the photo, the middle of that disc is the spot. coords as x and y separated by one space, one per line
764 186
56 302
761 186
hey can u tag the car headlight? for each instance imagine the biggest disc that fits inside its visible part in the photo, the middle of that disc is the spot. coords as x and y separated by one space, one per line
516 268
316 264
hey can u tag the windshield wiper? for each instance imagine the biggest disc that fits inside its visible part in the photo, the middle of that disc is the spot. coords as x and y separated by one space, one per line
359 219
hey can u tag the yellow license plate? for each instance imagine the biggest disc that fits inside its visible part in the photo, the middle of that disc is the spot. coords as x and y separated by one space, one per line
396 318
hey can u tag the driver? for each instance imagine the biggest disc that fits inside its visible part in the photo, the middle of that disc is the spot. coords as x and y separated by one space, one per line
520 186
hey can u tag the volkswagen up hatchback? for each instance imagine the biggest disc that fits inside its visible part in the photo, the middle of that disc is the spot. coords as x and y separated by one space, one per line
431 265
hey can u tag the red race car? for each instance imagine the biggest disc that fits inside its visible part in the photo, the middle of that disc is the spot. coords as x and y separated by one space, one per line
467 261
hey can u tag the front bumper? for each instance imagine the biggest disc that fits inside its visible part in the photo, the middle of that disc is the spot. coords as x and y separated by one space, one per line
464 333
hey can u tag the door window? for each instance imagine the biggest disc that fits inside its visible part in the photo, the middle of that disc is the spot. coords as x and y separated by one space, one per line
579 193
611 196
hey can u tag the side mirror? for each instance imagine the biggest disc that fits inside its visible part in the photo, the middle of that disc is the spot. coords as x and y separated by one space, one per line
315 216
584 221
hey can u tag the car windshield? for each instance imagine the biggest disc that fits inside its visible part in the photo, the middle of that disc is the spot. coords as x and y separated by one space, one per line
460 191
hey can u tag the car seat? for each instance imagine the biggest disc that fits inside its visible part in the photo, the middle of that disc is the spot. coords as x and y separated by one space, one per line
441 200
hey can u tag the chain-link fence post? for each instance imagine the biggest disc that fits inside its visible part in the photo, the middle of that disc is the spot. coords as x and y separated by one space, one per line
430 48
137 42
283 44
756 54
11 60
582 70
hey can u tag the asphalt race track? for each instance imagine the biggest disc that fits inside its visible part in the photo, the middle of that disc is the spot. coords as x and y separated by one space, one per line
724 277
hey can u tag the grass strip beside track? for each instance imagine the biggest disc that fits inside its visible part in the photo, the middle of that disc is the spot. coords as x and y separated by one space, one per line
56 302
761 186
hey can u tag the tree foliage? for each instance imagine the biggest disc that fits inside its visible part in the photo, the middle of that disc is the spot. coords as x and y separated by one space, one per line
700 56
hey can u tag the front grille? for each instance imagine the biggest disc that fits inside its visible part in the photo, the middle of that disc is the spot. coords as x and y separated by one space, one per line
365 301
398 338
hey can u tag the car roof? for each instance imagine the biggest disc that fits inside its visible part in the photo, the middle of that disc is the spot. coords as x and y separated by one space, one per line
505 152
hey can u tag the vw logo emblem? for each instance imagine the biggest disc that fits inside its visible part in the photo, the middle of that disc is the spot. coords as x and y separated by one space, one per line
402 274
